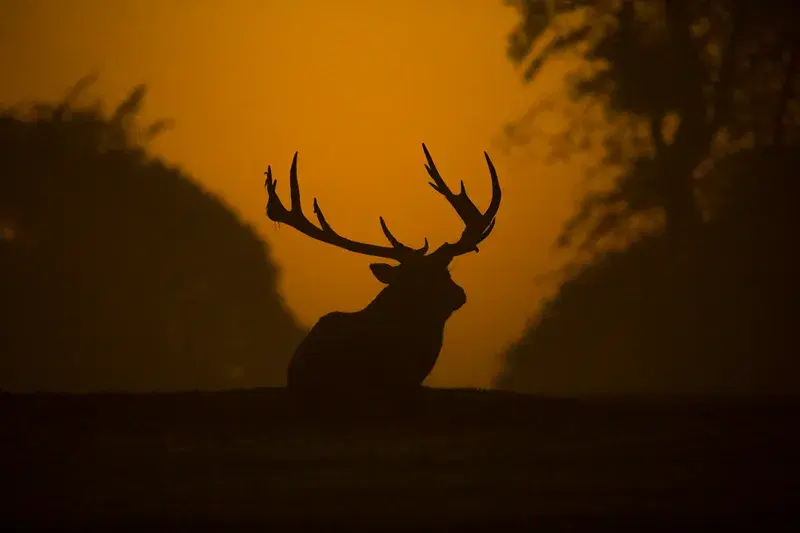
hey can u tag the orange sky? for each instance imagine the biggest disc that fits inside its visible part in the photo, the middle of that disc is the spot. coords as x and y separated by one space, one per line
355 86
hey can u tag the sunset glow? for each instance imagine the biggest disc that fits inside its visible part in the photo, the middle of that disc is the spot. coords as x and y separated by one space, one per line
355 86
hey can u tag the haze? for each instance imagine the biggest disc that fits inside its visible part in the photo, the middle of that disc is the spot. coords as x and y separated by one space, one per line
355 86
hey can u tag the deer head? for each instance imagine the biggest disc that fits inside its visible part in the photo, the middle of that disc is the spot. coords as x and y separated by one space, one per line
421 281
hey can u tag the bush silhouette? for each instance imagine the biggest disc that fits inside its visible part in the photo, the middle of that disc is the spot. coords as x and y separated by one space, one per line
119 272
711 313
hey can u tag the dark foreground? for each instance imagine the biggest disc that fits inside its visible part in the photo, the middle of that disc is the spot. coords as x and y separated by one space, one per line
472 458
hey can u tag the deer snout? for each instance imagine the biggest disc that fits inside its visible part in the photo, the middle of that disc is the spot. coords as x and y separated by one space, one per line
460 298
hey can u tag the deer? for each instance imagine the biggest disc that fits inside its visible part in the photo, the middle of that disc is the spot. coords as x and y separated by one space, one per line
387 349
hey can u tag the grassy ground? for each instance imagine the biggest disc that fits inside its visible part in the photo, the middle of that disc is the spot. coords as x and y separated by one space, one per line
464 456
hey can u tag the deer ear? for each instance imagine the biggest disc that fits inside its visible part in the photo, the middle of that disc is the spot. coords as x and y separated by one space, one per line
385 273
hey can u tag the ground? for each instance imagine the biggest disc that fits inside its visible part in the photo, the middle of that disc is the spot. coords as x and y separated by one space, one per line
463 456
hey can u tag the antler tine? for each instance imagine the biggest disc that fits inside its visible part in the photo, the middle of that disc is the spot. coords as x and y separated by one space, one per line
397 244
468 212
295 218
477 225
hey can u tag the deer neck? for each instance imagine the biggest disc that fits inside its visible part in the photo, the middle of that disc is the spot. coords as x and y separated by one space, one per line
391 306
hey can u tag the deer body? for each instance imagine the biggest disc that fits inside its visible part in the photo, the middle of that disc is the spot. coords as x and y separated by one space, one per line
389 347
356 350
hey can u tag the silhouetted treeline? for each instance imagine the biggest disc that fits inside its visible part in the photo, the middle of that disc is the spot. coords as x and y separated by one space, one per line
702 99
119 272
714 314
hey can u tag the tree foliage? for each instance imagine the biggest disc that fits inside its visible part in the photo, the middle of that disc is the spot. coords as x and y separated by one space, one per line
712 315
683 84
119 272
702 112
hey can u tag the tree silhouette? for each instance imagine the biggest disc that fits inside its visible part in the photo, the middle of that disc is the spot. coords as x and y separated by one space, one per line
117 271
713 315
682 83
703 110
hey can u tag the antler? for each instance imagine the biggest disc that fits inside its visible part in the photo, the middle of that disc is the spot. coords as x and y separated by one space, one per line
477 225
295 218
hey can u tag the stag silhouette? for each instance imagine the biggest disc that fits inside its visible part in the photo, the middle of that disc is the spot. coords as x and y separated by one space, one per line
387 349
